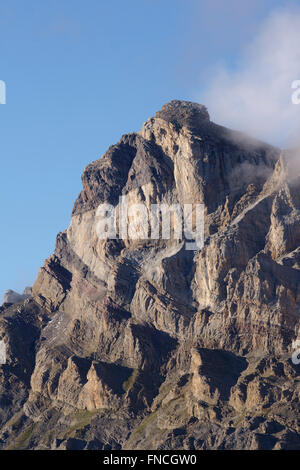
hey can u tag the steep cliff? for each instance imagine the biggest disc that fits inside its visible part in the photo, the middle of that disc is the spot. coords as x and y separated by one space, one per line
129 343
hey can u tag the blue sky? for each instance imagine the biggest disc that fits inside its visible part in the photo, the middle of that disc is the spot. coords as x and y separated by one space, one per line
78 76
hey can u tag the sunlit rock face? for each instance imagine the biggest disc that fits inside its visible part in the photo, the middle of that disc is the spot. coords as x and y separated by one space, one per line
144 344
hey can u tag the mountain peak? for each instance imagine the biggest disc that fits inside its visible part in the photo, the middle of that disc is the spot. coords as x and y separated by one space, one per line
184 113
143 339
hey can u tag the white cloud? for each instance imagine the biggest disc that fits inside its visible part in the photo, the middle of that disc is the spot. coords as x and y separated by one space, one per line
256 96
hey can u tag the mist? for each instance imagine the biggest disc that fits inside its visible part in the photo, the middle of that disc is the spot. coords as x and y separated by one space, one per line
255 96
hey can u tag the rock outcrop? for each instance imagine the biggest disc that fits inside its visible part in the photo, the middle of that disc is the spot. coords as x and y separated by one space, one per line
142 344
12 297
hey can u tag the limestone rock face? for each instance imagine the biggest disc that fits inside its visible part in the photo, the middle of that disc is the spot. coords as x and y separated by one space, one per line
141 343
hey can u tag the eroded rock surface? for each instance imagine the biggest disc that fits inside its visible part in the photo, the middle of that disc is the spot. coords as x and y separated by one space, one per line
143 344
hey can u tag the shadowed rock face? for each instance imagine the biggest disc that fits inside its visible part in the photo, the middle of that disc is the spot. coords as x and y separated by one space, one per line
143 344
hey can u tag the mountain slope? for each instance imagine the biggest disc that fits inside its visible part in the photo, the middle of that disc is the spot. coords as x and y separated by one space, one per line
144 344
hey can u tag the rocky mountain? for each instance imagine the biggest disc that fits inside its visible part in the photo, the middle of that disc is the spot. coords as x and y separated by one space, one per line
12 297
143 344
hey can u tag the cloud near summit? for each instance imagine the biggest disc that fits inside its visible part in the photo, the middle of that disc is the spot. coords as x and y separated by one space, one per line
255 96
